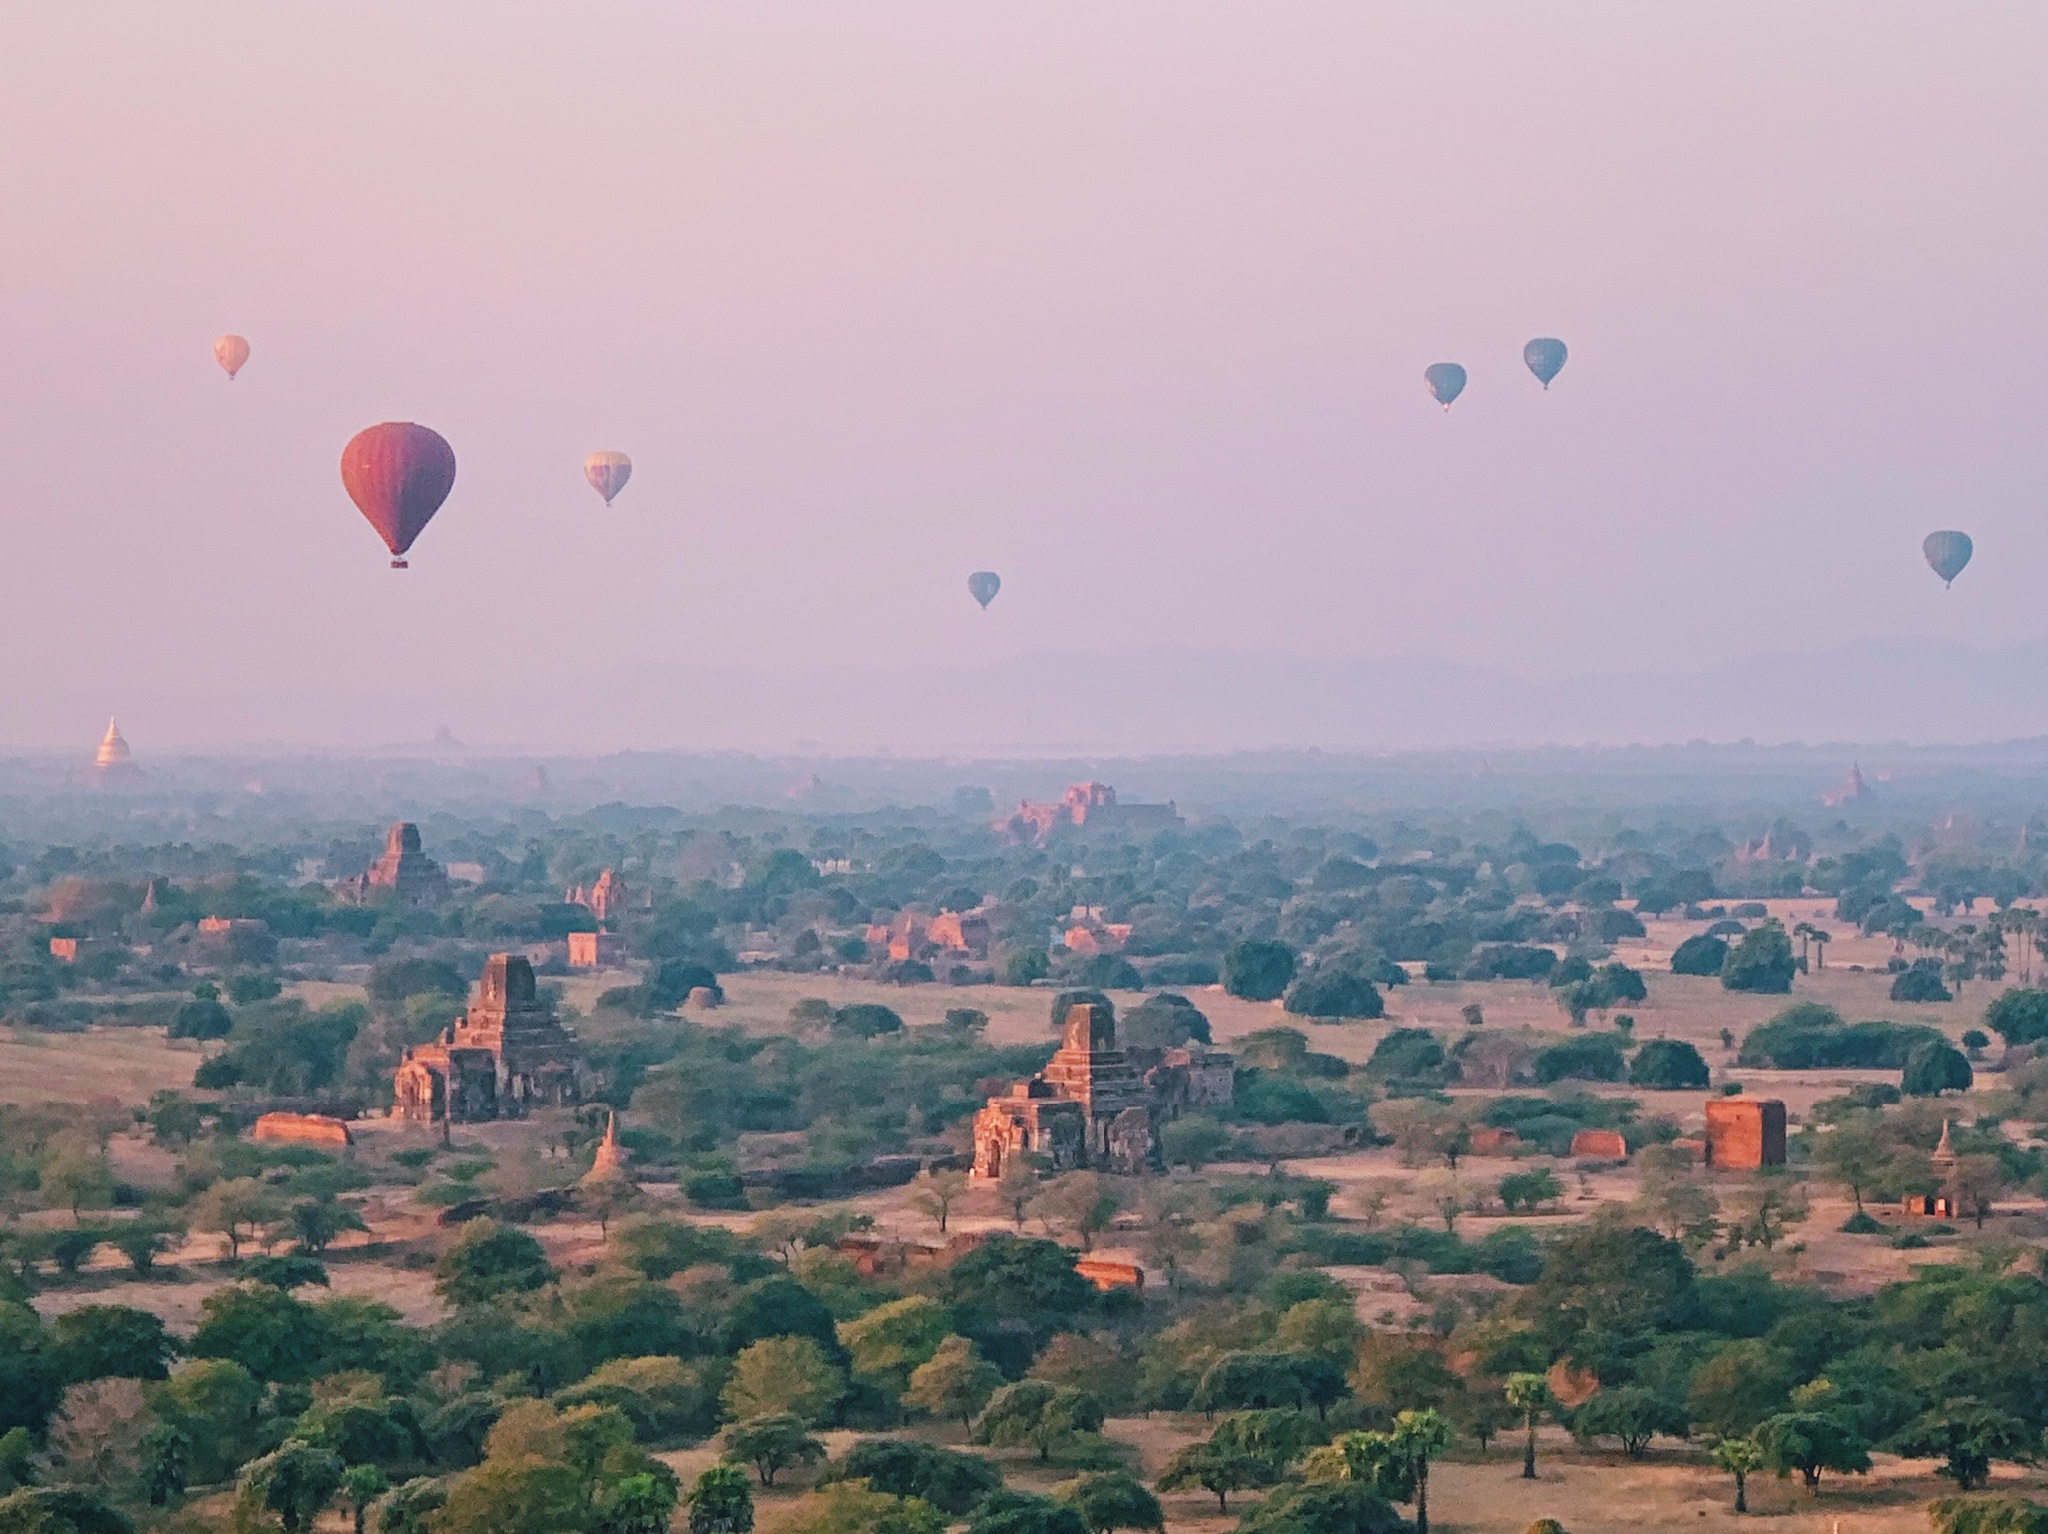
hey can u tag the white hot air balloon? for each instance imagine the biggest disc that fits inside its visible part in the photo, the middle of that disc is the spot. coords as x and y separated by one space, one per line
230 351
607 473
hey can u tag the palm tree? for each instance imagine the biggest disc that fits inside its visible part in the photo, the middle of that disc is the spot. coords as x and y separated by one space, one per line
1804 932
1528 1394
1820 947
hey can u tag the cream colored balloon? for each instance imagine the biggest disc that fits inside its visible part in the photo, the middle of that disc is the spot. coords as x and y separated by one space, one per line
230 351
607 473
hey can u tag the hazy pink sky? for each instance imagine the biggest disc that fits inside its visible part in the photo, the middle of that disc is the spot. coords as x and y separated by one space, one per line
1127 301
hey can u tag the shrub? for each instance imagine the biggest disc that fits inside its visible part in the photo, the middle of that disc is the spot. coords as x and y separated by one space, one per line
1699 955
1614 924
1589 1057
1668 1065
1510 961
1409 1054
1109 972
1183 970
1164 1020
1258 970
866 1020
1323 993
1809 1036
1920 981
1934 1067
1761 962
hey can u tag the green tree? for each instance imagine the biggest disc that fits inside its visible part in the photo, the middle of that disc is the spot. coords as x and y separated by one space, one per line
1218 1470
1738 1387
2008 1514
1668 1065
2020 1015
1195 1141
166 1463
850 1508
1022 1512
360 1486
1529 1190
891 1342
1935 1067
1966 1436
489 1261
935 1194
954 1382
952 1482
721 1502
1420 1436
1699 955
1047 1417
1741 1458
641 1502
1258 970
317 1222
296 1482
772 1444
780 1376
1528 1394
1812 1442
1631 1414
1109 1499
97 1341
410 1508
1761 962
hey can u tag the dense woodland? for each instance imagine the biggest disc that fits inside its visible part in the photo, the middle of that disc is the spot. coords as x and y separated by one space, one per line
541 1402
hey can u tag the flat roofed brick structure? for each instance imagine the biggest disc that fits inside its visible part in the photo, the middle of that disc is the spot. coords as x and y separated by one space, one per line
1744 1134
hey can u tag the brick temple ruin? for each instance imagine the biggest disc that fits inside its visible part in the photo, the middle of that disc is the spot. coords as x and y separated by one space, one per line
506 1054
1091 806
1095 1105
404 873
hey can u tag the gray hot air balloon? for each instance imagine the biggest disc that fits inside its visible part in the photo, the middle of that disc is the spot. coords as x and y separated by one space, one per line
983 586
1446 381
1545 356
1947 552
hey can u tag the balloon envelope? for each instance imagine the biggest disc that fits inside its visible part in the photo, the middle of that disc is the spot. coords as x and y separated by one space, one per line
607 473
1947 552
1545 356
398 474
1446 381
230 351
983 585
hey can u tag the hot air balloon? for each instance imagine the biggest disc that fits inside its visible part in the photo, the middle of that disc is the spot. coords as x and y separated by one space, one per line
1947 553
607 473
1545 356
398 474
1446 381
983 585
230 351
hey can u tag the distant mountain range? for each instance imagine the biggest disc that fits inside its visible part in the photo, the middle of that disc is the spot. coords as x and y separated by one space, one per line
1877 691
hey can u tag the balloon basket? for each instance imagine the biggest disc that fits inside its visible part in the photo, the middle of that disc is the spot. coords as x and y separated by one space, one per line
399 564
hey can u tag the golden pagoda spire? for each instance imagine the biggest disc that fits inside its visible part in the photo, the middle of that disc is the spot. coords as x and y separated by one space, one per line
113 751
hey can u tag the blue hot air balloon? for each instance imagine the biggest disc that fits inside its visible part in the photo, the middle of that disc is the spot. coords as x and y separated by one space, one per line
1947 552
983 585
1545 356
1446 381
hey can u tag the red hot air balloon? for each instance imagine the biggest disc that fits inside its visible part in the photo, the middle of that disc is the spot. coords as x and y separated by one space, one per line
398 474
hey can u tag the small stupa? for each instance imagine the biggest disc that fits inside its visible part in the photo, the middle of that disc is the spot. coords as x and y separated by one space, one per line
1944 1157
609 1164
